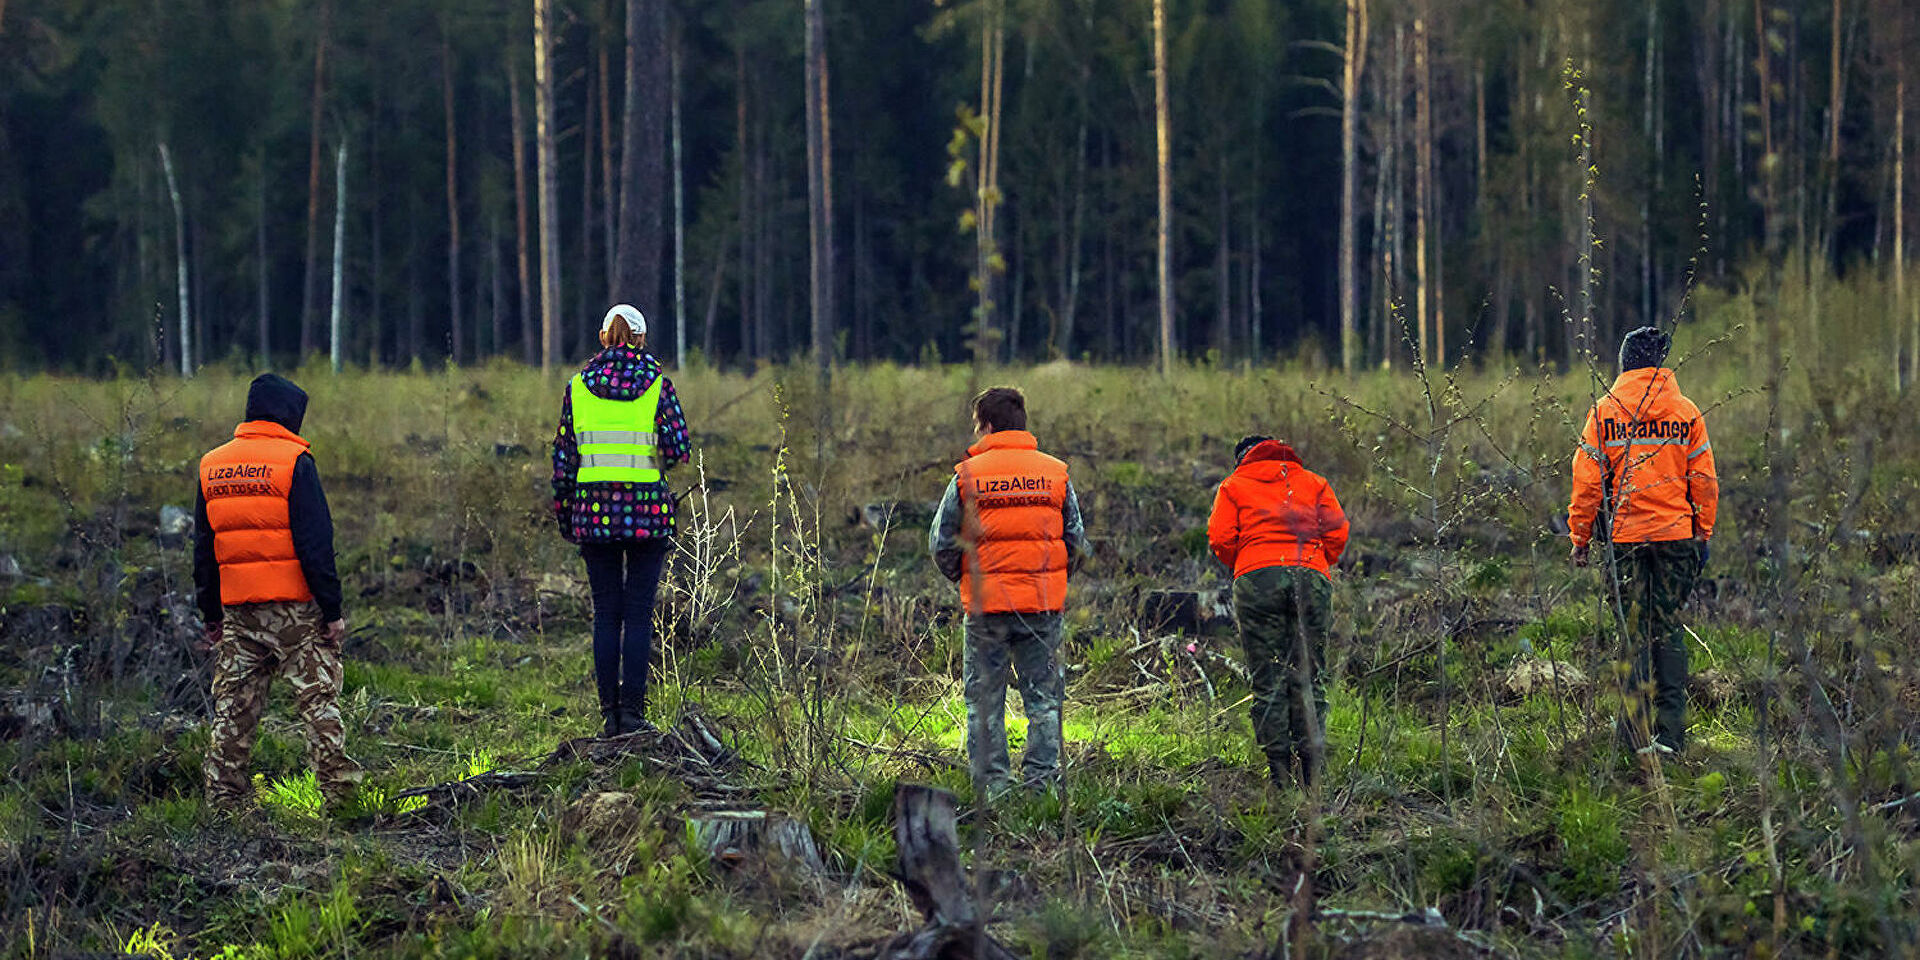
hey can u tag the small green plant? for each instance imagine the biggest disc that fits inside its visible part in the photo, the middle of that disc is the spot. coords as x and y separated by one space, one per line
297 795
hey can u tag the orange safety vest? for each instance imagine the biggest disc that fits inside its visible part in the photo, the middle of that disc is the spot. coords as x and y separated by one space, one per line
246 482
1012 496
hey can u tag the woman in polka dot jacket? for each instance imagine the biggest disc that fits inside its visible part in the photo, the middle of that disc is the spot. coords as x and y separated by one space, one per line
624 529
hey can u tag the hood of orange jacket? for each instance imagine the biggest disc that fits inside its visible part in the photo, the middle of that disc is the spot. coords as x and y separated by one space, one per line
1644 470
1012 496
1273 512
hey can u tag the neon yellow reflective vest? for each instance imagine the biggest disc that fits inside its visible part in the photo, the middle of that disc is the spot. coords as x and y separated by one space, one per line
616 437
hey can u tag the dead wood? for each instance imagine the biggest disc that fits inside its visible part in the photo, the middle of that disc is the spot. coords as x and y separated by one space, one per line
925 830
736 838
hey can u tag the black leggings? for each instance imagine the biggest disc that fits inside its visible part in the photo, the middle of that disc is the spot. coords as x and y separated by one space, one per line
624 578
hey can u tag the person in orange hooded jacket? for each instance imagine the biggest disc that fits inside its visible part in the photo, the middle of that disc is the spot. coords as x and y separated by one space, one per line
1644 481
269 594
1009 531
1279 528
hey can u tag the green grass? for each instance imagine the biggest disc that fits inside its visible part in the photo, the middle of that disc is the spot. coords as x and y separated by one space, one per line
1167 841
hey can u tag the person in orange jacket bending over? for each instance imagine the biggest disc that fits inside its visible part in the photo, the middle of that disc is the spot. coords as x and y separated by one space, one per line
1278 526
1644 480
1009 531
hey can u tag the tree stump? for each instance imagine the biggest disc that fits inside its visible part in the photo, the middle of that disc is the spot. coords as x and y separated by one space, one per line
924 829
735 838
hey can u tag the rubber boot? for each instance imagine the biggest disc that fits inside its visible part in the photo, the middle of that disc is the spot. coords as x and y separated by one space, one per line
632 714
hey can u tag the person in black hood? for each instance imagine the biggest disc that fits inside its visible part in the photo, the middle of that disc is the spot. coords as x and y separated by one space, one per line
268 592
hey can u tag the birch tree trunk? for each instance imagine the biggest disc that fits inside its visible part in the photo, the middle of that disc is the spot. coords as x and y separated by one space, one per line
339 253
549 179
1349 178
179 261
1163 127
310 284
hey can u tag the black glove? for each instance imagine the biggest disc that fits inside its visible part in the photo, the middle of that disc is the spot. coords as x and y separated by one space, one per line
1706 551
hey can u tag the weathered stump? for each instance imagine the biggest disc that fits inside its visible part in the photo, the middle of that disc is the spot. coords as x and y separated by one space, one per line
735 838
925 830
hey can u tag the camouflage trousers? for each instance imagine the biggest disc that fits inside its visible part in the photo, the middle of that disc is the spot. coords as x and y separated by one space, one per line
1024 648
1283 612
1655 580
258 642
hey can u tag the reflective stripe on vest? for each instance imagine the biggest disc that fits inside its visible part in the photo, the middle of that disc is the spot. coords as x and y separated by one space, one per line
612 450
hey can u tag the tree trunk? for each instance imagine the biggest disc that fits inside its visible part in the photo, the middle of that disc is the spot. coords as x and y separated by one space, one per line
376 241
1900 224
1836 107
262 322
643 160
708 340
497 292
1422 182
1349 178
744 151
987 199
1163 127
549 179
609 178
339 254
1070 275
416 307
1393 330
1653 164
310 285
820 216
185 321
456 313
1223 269
529 353
579 332
679 217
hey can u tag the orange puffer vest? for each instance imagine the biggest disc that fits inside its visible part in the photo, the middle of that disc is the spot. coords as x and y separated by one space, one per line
1012 495
246 482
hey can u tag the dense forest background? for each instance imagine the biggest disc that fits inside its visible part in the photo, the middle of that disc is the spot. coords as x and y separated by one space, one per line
256 167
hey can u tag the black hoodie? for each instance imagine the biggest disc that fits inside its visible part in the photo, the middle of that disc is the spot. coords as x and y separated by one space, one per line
276 399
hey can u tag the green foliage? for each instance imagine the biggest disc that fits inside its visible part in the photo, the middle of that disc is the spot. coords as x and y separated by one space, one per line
1593 837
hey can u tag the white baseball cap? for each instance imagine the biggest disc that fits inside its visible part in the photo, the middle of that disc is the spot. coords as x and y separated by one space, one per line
635 321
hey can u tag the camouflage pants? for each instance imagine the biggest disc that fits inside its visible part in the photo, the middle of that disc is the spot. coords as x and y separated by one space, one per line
258 642
1024 647
1655 580
1283 611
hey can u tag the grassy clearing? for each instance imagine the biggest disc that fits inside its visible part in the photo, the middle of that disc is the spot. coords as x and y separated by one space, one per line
828 650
